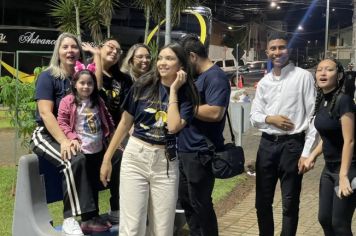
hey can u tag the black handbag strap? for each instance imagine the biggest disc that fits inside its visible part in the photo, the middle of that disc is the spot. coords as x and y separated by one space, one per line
211 145
230 127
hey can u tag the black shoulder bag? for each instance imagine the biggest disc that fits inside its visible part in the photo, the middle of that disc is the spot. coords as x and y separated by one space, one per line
228 162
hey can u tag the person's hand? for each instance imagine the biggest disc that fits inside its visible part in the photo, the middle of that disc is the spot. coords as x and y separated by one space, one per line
105 172
344 187
179 81
305 164
87 47
76 144
67 150
281 122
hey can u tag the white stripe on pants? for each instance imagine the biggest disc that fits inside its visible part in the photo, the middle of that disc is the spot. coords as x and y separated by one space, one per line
145 189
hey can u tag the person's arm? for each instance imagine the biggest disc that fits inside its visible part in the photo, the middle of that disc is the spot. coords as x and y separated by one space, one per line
121 132
95 51
217 94
258 114
45 108
63 118
174 121
307 164
347 125
311 134
210 113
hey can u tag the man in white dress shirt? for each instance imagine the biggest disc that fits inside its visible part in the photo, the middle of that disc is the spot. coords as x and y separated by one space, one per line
283 105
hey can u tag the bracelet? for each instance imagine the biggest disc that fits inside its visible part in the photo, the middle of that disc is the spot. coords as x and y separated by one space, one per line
172 102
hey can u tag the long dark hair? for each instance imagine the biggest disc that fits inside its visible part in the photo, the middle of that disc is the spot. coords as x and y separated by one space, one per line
114 70
94 96
340 88
147 87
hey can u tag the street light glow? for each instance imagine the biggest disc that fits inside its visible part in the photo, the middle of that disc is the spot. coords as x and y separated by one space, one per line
300 27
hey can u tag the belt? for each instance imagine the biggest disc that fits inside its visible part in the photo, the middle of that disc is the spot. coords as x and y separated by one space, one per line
161 146
282 138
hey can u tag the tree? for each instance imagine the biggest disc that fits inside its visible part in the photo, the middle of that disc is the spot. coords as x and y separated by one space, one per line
106 9
93 13
93 19
21 104
63 12
156 9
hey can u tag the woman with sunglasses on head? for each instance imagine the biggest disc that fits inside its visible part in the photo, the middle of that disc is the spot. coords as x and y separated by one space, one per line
137 61
49 141
113 87
334 118
159 105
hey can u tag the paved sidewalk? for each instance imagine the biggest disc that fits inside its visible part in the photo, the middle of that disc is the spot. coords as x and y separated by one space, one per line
241 220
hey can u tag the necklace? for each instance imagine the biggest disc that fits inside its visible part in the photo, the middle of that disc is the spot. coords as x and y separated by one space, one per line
325 103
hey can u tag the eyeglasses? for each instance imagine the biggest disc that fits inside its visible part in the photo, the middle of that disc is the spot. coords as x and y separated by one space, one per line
112 48
141 57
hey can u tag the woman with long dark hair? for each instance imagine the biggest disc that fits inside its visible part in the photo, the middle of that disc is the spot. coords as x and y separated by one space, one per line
159 105
334 118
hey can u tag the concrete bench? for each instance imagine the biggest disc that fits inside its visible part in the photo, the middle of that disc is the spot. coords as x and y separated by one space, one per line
31 215
34 190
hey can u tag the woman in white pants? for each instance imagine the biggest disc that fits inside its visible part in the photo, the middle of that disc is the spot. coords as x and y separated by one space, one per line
159 105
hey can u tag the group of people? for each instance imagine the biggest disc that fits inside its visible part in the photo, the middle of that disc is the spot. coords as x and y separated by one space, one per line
163 113
301 118
142 130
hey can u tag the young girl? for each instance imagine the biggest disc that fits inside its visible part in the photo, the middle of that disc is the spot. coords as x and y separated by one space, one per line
85 121
335 122
161 102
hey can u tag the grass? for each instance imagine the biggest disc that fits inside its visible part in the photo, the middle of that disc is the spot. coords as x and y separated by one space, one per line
8 176
4 119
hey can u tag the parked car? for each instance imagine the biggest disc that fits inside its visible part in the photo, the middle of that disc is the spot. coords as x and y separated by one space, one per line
253 71
228 66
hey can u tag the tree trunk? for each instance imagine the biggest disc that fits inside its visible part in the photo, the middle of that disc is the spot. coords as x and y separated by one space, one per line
108 30
77 21
147 27
158 32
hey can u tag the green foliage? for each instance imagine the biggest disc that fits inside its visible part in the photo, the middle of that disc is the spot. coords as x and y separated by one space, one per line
7 176
18 97
64 13
154 50
93 13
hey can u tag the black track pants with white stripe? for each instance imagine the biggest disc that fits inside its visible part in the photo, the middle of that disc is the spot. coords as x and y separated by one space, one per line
77 192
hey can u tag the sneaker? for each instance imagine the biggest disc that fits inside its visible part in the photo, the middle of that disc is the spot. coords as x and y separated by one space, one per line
104 221
250 169
114 217
94 225
71 227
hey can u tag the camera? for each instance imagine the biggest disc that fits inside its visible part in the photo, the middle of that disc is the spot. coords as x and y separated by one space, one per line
171 147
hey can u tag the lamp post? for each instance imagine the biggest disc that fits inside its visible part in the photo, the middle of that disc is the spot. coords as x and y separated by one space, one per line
168 22
326 27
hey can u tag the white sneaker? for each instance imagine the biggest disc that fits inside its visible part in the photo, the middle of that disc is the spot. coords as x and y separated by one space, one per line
71 227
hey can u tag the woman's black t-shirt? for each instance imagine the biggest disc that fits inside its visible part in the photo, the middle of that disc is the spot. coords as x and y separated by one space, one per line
150 117
329 127
114 91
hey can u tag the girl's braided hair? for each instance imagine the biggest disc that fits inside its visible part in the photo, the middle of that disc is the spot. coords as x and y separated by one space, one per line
340 89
